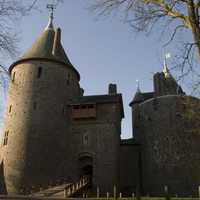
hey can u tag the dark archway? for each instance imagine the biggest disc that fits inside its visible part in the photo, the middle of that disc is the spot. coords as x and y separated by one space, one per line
85 165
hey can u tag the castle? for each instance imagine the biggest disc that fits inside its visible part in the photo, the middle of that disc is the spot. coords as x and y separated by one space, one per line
53 132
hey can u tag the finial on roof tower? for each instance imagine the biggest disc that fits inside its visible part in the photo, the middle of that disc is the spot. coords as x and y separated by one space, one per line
51 8
165 68
138 86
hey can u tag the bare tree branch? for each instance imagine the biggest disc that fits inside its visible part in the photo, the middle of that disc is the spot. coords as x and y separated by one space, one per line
146 15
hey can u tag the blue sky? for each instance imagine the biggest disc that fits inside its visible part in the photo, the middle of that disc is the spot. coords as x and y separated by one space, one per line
102 50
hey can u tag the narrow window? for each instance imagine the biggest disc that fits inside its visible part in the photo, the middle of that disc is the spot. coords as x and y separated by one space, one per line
5 141
76 107
39 74
63 110
10 108
85 139
34 105
13 77
68 79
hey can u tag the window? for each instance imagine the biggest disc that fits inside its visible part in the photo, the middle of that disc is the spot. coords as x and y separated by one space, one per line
35 105
39 74
68 79
85 139
10 108
76 107
90 106
84 111
5 140
13 76
64 110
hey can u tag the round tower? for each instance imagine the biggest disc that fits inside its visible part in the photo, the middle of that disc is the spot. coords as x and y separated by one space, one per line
43 81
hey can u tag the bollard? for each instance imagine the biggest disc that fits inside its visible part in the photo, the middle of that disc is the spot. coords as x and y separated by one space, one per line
98 192
115 192
120 195
107 195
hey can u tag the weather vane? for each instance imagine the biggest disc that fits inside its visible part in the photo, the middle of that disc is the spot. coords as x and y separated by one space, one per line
51 8
138 85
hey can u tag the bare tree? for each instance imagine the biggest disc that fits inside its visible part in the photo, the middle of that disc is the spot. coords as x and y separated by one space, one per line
11 12
174 15
143 15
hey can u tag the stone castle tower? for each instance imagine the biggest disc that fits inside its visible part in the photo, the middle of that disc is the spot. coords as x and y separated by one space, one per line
43 82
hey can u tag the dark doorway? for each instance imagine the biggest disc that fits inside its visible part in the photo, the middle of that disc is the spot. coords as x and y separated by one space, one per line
87 170
86 167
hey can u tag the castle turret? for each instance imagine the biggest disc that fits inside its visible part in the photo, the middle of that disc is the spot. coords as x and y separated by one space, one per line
134 104
165 84
43 82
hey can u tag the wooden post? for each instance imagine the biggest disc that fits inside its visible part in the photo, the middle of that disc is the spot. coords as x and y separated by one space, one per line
65 192
166 190
133 196
107 195
98 192
115 192
199 191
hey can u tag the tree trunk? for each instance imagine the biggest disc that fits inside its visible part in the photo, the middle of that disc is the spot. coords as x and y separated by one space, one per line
194 22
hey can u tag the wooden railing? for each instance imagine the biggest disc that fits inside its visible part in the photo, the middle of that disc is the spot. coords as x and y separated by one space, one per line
75 187
63 190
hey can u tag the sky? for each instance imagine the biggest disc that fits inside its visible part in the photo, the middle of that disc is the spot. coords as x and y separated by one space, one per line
103 50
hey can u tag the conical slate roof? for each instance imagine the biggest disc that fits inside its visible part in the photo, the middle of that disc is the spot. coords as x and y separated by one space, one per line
43 48
138 98
47 47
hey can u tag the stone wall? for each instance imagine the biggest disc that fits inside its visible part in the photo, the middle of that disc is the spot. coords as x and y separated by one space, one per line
170 137
36 123
99 139
130 171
